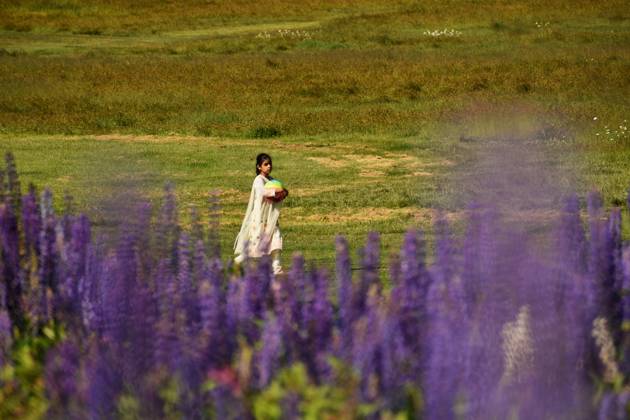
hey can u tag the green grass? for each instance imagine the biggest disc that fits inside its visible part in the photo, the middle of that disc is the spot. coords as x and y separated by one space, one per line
107 175
370 121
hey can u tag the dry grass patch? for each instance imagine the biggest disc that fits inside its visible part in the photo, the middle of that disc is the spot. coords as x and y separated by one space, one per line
377 165
420 216
374 166
145 138
329 162
428 216
312 191
366 214
232 195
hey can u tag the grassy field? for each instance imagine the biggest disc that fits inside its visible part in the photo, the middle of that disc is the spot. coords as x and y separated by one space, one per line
336 187
374 114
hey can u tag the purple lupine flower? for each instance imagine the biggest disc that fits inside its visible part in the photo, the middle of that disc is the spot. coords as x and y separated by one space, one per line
165 285
471 269
61 376
370 266
442 368
488 254
3 192
623 404
614 240
258 283
187 289
141 226
68 301
597 249
184 270
291 406
603 253
394 358
127 257
118 290
199 262
446 330
444 252
287 308
625 304
167 344
167 337
366 349
10 265
549 394
13 183
608 407
212 312
31 222
92 290
249 307
307 322
226 403
138 358
67 216
271 351
571 240
167 229
614 279
232 313
322 312
186 363
86 296
411 294
322 327
81 238
344 298
298 285
105 382
48 251
6 336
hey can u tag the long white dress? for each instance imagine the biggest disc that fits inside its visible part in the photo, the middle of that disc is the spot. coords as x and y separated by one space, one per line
260 233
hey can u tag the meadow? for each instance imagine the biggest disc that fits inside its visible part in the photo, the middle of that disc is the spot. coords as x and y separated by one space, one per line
367 108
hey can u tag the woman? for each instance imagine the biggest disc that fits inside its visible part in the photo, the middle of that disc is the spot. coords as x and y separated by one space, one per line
260 233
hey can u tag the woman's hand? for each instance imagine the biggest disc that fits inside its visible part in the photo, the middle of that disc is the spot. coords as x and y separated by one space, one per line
280 195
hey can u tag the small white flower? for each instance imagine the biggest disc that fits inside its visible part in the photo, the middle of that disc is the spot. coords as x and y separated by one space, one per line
594 118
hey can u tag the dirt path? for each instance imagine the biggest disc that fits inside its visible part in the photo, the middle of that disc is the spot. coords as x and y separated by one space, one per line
64 42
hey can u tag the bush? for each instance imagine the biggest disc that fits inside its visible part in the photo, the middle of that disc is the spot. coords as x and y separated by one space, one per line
265 132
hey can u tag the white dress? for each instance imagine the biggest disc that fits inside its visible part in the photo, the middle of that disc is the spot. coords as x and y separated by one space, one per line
260 231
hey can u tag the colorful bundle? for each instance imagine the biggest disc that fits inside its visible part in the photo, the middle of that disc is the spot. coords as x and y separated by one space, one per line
274 184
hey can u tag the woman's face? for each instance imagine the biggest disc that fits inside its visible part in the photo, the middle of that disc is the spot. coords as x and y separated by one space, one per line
265 168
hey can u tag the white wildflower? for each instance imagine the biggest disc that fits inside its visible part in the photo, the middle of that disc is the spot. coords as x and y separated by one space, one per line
518 347
606 348
442 33
286 33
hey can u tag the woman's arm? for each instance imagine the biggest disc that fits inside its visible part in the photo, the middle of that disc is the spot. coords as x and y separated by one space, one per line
261 191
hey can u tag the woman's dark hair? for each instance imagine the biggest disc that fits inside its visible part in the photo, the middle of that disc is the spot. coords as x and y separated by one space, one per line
260 159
